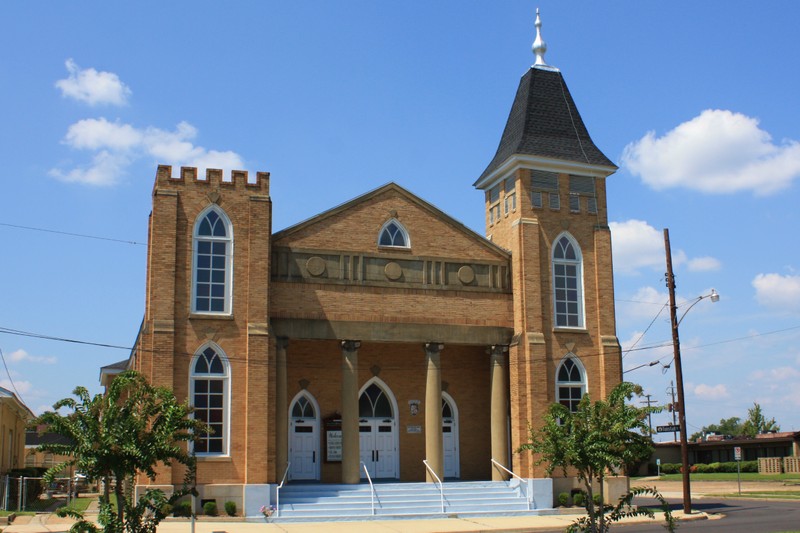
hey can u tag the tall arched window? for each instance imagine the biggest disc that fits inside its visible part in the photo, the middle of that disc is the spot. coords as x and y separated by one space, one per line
570 383
210 392
567 283
212 275
394 234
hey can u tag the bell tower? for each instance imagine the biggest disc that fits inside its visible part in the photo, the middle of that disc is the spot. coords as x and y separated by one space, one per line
546 203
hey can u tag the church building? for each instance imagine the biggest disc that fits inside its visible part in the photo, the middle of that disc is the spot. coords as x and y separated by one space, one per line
383 337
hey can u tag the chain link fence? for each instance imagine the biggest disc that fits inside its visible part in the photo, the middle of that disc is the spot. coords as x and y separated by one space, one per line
34 494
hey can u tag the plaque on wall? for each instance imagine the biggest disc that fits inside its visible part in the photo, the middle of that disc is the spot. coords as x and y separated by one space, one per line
333 440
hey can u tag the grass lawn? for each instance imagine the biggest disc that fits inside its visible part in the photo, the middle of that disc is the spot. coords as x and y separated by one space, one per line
80 504
746 476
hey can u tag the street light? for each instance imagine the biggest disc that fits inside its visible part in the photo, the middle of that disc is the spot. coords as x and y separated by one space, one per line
676 346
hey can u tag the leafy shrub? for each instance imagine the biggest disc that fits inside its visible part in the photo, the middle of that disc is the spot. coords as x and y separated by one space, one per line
210 508
596 499
183 509
230 508
563 499
578 499
711 468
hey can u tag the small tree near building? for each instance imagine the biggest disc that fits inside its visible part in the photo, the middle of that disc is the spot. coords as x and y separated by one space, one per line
757 423
130 430
597 440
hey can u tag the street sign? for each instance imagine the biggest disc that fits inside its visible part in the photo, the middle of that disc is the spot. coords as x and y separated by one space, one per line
668 429
737 453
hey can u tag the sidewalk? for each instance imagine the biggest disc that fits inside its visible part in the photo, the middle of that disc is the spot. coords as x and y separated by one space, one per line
511 524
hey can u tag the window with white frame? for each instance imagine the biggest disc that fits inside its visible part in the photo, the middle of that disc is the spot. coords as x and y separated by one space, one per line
213 263
210 386
544 184
570 383
494 204
394 234
510 198
567 283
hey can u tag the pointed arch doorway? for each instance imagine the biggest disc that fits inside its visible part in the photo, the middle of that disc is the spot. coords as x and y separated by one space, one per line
304 438
377 430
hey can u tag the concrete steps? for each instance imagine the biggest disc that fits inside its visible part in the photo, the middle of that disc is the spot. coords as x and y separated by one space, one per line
311 502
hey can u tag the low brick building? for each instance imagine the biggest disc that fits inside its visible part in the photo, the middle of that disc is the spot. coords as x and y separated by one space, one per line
382 332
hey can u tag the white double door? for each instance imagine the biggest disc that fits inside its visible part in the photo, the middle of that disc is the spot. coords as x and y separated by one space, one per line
304 449
377 443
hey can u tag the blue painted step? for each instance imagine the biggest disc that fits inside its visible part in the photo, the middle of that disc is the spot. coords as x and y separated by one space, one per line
400 500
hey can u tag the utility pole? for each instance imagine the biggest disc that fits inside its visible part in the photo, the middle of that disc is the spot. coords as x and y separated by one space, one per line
676 345
649 418
671 390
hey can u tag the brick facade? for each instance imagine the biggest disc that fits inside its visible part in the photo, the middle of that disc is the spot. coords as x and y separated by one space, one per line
296 295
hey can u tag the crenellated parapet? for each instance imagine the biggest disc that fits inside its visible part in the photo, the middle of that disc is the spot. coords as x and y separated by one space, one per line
214 179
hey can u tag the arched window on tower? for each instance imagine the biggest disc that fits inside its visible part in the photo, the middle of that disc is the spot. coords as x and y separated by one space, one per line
394 234
212 275
570 383
567 283
210 390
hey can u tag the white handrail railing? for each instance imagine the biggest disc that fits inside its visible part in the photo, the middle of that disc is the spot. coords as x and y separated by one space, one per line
522 482
441 485
278 490
371 488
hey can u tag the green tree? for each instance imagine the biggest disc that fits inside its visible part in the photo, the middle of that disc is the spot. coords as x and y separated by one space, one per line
130 430
595 441
727 426
757 423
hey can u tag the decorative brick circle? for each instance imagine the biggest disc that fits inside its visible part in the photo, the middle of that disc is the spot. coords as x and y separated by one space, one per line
315 266
393 271
466 275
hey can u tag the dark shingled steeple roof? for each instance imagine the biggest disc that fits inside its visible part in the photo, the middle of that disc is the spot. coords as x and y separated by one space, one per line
545 122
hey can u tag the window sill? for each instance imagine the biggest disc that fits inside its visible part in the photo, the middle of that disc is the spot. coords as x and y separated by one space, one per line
210 316
213 458
564 329
401 249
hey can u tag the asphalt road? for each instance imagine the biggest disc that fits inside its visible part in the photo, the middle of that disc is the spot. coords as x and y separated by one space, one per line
738 516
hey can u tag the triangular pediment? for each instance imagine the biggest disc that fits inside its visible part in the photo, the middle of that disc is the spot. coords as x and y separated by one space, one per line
355 226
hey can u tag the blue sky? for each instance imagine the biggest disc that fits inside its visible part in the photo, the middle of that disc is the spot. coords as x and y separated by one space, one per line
695 101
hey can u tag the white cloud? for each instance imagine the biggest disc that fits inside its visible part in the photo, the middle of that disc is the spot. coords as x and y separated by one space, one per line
778 292
21 386
709 392
99 133
93 87
118 145
703 264
636 244
783 373
716 152
21 355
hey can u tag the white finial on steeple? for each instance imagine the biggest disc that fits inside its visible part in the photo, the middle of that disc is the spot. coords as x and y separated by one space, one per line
539 46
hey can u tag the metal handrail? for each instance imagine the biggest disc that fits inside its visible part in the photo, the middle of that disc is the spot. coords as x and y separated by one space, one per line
522 481
441 485
278 490
371 488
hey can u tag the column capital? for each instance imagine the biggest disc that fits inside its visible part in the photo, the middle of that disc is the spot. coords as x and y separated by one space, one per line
350 345
497 350
433 347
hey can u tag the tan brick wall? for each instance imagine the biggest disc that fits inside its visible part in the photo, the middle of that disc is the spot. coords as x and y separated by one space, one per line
465 372
529 234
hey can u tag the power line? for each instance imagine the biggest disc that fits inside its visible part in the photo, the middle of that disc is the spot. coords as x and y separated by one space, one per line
234 358
2 355
70 234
